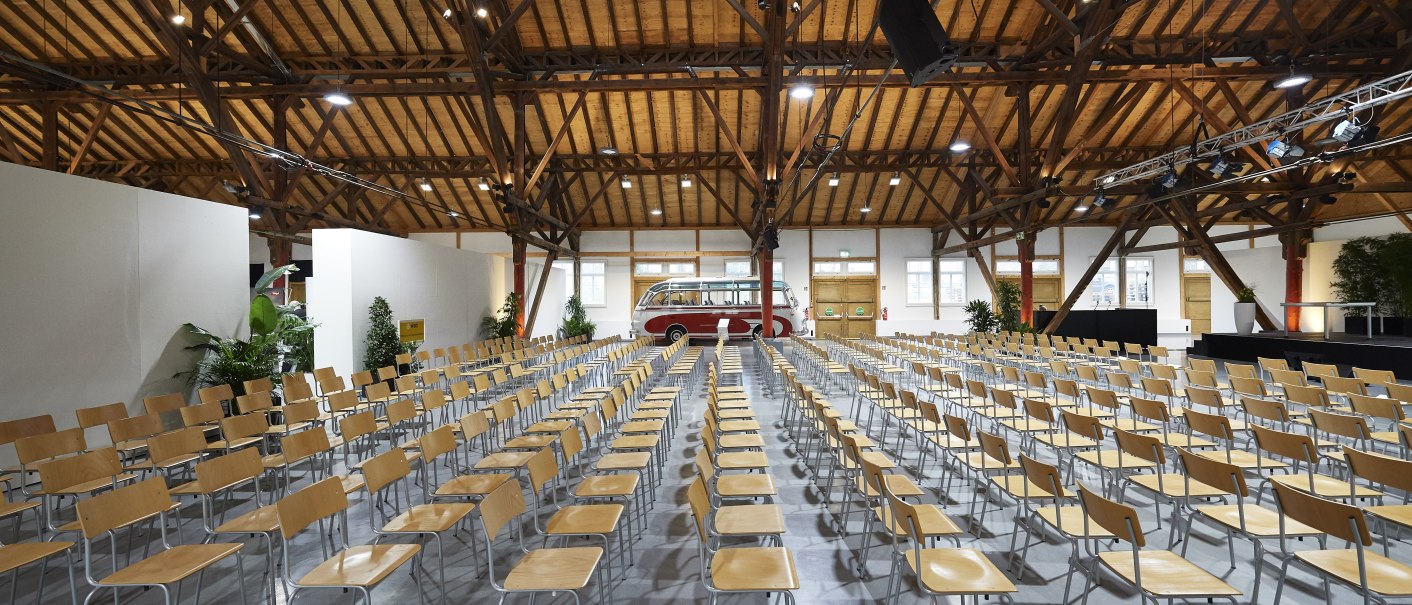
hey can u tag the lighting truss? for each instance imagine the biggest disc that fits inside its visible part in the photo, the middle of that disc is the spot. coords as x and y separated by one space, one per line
1337 107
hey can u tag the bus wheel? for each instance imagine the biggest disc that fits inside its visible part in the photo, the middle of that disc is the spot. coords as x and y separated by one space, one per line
760 329
675 333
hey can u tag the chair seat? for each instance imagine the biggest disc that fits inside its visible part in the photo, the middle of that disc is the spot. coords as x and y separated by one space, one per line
742 441
366 565
1166 574
1130 425
223 444
958 571
14 556
607 486
554 569
555 426
1243 459
171 565
931 521
435 518
538 441
635 442
1071 518
754 569
1174 485
1400 514
749 520
14 508
952 442
94 485
979 460
643 426
581 519
1259 521
505 460
1028 425
472 485
623 461
1324 486
409 454
1066 440
259 521
1015 485
742 460
901 486
745 486
1111 459
1184 440
651 414
1385 576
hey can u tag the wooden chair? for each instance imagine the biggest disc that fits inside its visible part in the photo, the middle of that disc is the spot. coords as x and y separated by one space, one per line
939 571
739 569
222 394
129 435
1386 471
1373 575
240 431
13 557
221 476
172 451
601 520
429 520
158 404
100 415
1156 574
360 568
126 508
77 476
542 569
1303 452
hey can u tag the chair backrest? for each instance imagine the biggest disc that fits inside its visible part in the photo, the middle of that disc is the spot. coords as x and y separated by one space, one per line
474 424
257 385
216 394
339 401
157 404
570 443
61 473
1211 425
361 379
1307 395
542 469
994 447
134 427
1271 363
304 444
254 402
229 470
174 444
50 445
353 426
1267 409
1400 392
436 443
1290 445
322 374
384 469
1287 377
1389 471
301 411
1082 424
957 427
1204 365
1119 519
1143 446
1319 370
100 415
244 425
318 501
387 373
1248 386
401 411
10 430
1240 370
700 506
497 509
1044 476
1374 377
1377 407
1339 385
202 413
1214 473
122 507
1343 425
295 391
1336 519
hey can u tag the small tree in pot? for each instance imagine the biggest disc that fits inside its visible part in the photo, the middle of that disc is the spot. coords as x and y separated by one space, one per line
1245 310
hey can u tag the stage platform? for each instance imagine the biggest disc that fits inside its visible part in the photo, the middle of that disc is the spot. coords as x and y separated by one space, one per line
1347 350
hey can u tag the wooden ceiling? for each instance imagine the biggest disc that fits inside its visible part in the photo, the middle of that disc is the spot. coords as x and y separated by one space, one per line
695 88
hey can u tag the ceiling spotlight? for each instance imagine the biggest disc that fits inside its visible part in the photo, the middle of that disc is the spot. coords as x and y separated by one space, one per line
484 184
833 180
895 180
794 7
627 183
1081 209
424 184
607 151
178 19
1280 148
801 92
865 209
1108 180
482 13
1346 130
686 182
1099 200
254 216
453 214
656 212
339 99
960 147
1168 180
446 14
1219 166
1293 80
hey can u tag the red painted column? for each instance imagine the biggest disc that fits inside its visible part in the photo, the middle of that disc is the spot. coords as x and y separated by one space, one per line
767 292
1294 279
1026 281
280 252
517 258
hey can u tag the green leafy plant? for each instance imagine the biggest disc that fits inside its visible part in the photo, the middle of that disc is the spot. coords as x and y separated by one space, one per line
1007 298
1245 295
576 321
1359 273
276 333
1395 260
980 317
381 345
505 321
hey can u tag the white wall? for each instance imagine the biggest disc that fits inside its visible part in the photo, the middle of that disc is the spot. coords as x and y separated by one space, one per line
446 287
101 278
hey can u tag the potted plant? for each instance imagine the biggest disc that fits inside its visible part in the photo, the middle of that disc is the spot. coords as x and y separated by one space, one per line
1007 298
505 322
576 321
1358 269
1245 310
980 317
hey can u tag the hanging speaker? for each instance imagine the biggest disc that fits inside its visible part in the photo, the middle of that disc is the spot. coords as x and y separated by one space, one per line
918 41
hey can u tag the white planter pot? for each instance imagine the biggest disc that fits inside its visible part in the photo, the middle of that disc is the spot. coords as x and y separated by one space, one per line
1245 317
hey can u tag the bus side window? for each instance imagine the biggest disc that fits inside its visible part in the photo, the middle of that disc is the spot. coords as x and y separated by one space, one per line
657 300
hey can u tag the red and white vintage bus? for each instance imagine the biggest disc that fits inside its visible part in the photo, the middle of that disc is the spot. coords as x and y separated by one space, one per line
691 306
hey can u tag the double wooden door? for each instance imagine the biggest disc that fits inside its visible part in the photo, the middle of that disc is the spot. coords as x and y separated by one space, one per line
1048 290
1196 302
846 306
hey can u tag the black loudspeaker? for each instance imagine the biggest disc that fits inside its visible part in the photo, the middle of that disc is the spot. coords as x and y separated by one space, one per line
918 41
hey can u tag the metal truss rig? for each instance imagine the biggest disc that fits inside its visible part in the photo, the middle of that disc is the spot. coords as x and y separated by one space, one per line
1333 108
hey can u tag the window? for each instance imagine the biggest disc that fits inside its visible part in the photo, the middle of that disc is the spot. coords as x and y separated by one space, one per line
741 268
593 290
1195 265
1103 290
951 281
828 268
862 268
681 268
1040 266
919 282
649 269
663 268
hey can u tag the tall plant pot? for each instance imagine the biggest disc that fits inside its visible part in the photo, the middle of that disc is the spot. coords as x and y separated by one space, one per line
1245 317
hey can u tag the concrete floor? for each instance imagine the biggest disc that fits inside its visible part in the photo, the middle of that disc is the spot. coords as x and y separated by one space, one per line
668 569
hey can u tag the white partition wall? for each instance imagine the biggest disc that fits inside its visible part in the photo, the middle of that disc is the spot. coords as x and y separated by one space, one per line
100 278
449 288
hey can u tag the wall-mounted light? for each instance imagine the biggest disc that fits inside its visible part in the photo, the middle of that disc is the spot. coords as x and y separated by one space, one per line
686 182
833 180
626 183
895 180
483 184
424 184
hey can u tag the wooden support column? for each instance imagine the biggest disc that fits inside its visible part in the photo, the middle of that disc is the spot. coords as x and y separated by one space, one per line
1026 247
1294 278
517 260
767 292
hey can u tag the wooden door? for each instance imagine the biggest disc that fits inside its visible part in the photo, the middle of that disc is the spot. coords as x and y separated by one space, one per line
846 306
1048 290
1196 303
641 284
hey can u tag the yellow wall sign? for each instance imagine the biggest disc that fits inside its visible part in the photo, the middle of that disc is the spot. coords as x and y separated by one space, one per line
412 330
